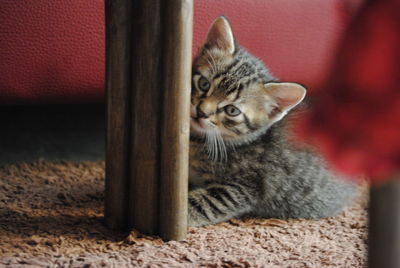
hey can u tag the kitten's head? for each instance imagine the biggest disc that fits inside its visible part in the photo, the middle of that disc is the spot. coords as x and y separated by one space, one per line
233 94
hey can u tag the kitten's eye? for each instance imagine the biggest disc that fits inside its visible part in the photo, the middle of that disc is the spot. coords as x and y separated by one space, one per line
203 84
232 110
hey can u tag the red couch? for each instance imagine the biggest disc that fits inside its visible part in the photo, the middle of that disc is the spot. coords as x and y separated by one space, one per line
53 51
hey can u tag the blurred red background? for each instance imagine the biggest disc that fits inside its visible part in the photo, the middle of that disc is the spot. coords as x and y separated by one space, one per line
356 117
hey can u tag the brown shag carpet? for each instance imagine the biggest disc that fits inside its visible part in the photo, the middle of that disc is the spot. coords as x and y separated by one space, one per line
51 216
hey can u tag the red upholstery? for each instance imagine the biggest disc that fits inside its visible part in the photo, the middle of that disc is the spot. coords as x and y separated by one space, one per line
53 51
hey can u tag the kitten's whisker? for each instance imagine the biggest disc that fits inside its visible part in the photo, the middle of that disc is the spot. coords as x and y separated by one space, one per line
206 141
218 140
215 143
218 144
224 148
212 149
214 156
210 146
215 146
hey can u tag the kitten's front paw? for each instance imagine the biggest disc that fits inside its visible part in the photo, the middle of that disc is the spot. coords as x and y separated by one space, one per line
194 220
196 212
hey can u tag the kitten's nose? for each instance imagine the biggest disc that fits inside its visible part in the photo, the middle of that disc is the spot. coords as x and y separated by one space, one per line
200 113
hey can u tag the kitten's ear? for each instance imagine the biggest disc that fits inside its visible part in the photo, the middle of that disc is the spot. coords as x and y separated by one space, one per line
220 35
286 95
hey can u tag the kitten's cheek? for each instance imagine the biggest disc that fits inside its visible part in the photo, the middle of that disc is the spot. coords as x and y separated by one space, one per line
227 134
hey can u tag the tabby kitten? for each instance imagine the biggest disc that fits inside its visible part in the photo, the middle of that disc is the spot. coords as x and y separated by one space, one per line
241 160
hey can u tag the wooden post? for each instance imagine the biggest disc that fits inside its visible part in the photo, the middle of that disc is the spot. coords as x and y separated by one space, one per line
118 47
178 19
146 112
154 117
384 226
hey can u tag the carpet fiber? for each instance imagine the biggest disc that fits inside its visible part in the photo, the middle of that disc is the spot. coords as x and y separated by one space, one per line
51 214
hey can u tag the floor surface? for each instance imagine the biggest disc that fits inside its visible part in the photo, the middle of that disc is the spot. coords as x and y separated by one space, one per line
51 215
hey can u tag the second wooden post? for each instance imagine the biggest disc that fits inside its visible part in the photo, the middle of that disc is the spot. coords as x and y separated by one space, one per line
160 105
177 57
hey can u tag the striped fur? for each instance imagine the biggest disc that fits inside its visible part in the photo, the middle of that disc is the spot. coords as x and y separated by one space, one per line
241 162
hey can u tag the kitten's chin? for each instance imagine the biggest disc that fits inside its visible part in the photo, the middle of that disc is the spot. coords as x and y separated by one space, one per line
197 127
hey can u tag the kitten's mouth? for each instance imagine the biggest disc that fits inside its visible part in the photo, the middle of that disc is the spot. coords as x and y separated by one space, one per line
198 125
198 122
